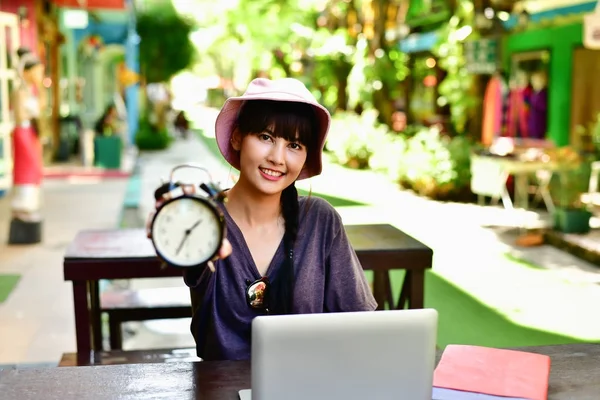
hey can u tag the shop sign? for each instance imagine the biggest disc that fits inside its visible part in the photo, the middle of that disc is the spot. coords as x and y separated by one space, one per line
482 56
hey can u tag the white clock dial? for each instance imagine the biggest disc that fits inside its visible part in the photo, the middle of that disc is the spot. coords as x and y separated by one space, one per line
186 232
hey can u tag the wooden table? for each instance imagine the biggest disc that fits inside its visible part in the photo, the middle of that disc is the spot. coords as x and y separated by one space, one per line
128 254
574 376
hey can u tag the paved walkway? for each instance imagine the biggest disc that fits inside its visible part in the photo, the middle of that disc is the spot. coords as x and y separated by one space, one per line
36 321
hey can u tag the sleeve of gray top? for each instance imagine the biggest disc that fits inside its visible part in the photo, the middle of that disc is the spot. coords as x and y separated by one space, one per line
193 277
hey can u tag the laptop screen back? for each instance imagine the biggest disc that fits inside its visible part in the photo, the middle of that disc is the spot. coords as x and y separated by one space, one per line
356 355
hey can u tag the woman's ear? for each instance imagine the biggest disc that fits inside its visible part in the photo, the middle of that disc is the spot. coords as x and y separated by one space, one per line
236 140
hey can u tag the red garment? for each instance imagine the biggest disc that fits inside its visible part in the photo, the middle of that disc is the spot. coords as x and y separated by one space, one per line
27 157
492 111
518 112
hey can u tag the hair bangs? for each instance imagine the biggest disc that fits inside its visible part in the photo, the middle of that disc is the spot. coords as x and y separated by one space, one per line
292 121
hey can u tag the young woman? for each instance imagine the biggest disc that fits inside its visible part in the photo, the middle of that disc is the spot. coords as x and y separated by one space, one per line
283 253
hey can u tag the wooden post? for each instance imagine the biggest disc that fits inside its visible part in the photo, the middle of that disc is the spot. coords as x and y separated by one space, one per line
50 39
55 77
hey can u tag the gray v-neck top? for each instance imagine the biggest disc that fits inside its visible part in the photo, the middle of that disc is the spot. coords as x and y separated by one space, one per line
329 278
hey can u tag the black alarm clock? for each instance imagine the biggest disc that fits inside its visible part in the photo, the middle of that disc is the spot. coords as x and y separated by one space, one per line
187 229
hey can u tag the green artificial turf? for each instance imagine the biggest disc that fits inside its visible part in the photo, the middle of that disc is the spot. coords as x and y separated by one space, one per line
465 320
7 284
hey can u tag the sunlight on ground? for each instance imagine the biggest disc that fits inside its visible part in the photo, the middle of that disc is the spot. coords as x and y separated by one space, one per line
472 260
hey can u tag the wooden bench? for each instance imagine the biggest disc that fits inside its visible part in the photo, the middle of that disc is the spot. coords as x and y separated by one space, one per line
114 357
123 305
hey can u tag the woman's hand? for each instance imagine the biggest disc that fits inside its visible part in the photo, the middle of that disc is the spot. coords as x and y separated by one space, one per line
224 251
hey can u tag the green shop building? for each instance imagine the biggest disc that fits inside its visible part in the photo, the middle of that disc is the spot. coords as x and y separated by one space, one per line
554 42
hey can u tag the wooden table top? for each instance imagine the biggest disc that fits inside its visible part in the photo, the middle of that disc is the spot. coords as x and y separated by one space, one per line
575 376
134 254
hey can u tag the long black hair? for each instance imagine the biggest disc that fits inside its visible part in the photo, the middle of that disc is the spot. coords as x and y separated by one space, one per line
291 121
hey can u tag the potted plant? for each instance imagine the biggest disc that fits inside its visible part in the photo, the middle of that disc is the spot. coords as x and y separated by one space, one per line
570 214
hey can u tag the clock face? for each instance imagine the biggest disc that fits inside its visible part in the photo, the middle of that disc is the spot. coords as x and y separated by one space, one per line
186 232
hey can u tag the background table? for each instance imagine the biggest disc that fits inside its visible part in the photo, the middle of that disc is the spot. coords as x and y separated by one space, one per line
128 254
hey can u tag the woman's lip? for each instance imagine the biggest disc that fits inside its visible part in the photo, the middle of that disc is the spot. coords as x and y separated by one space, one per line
270 177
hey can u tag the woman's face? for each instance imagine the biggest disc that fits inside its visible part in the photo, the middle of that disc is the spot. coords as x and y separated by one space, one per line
35 74
538 81
269 163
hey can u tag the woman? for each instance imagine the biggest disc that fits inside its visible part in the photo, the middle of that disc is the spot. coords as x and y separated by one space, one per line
283 253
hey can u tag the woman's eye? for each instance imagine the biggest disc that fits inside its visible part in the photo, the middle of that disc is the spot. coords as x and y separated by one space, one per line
295 146
264 136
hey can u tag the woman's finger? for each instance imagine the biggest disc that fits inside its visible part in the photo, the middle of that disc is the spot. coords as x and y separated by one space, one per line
189 189
149 223
226 249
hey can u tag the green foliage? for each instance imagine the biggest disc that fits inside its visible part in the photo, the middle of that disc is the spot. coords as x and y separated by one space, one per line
215 97
370 74
354 138
460 149
237 40
455 89
333 57
434 165
386 155
148 138
420 158
165 46
595 131
344 57
568 184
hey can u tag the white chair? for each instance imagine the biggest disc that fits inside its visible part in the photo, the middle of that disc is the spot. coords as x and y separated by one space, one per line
488 179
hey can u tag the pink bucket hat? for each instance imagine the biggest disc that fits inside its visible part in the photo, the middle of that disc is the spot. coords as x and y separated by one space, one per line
286 89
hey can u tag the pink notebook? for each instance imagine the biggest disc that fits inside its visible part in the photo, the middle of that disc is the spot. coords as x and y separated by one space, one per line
474 372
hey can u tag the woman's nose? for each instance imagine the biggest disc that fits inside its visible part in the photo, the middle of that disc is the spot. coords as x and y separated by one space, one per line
277 153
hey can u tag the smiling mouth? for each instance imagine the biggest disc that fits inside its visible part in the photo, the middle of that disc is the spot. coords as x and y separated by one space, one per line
270 172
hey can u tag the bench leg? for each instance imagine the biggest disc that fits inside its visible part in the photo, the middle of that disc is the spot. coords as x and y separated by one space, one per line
388 290
413 289
82 322
405 293
417 289
379 284
95 315
116 335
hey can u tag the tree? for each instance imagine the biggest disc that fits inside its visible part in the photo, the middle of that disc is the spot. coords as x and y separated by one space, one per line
345 51
165 50
165 46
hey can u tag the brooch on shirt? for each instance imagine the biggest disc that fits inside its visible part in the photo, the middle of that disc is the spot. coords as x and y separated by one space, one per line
256 293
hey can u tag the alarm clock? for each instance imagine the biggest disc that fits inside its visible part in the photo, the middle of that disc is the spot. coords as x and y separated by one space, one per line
187 229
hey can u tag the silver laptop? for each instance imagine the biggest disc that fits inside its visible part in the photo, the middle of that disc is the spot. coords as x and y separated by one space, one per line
348 356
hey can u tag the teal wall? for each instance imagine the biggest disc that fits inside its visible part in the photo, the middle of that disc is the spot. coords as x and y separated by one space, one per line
561 41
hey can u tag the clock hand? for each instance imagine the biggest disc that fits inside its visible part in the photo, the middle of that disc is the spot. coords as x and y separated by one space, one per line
187 233
194 226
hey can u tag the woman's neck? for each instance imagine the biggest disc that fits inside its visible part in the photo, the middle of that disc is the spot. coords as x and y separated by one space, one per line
251 208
